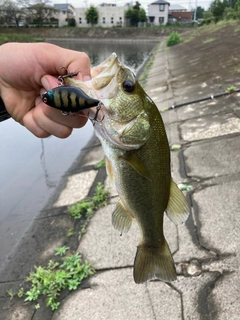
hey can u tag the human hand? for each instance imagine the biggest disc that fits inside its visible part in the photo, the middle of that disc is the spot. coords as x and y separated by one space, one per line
29 69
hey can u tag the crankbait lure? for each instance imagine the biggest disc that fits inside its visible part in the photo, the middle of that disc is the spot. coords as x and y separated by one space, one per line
69 99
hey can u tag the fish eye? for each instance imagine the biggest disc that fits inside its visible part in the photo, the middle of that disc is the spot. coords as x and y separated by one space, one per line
128 85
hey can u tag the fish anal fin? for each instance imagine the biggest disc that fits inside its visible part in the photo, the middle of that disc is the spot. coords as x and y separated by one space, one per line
121 218
135 162
177 208
154 262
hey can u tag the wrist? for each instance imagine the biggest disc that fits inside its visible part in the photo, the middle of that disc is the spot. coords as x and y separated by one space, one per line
4 115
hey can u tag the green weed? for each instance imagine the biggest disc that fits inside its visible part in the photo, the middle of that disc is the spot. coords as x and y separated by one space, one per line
100 164
231 89
70 232
173 39
69 271
50 281
88 206
61 251
175 147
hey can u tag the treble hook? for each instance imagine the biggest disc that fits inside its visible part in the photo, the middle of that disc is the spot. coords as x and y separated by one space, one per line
68 75
95 118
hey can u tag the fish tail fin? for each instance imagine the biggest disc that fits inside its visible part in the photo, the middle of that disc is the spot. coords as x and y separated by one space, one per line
153 262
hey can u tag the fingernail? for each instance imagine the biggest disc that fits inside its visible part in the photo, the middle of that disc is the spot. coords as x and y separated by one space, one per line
86 77
45 83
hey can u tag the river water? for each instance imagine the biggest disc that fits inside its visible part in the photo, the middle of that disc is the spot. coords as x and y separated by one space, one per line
31 168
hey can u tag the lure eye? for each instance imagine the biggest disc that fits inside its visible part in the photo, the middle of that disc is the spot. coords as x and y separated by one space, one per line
128 86
45 100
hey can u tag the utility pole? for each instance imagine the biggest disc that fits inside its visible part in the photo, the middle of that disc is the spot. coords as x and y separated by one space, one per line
195 12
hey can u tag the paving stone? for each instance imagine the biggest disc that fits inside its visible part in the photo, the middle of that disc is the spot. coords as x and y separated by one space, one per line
225 296
218 223
213 125
114 295
77 188
103 246
194 293
209 159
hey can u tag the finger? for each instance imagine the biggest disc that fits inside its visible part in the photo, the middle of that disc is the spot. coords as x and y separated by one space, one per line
29 122
49 82
53 58
74 120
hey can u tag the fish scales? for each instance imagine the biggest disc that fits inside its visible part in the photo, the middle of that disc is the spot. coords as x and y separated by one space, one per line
137 154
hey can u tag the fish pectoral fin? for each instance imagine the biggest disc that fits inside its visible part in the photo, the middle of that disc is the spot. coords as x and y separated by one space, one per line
133 160
109 169
121 218
177 208
153 262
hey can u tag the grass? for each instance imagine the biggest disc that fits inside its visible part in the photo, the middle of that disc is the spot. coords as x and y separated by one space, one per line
208 40
13 37
86 208
144 74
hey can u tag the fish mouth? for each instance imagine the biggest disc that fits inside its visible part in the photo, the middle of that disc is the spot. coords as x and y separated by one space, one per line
102 76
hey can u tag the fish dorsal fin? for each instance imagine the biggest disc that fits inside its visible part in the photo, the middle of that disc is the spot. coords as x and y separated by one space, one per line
177 208
121 218
136 163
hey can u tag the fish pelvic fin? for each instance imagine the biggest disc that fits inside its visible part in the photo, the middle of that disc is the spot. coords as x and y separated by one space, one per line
121 218
153 262
177 208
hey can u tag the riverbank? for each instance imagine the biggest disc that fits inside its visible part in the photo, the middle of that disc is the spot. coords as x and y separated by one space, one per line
146 34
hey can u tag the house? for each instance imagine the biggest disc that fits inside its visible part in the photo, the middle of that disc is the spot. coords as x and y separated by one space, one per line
158 12
66 11
179 13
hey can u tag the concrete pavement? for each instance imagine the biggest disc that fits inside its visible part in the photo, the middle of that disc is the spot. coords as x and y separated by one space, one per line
205 248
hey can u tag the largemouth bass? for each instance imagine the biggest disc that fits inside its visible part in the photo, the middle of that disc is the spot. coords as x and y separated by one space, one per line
137 154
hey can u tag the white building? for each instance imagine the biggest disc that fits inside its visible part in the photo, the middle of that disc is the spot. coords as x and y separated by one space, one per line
158 12
66 11
109 15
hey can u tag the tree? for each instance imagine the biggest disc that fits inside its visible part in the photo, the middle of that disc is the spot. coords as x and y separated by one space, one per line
217 8
71 22
199 13
11 12
41 11
136 14
91 15
142 15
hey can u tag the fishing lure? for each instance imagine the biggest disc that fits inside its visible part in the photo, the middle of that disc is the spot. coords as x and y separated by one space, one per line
69 99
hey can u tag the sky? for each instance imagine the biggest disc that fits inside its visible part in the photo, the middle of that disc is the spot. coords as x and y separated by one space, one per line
188 4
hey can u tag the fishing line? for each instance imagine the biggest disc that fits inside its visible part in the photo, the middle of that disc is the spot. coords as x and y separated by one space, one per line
203 99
